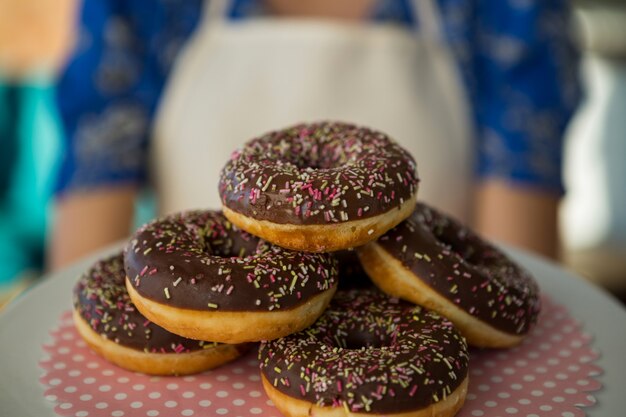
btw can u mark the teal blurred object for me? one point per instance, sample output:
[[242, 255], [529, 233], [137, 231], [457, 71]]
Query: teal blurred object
[[29, 153]]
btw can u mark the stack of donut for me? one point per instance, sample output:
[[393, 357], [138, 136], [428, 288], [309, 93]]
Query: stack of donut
[[301, 207]]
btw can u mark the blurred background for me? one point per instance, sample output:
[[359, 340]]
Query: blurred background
[[40, 38]]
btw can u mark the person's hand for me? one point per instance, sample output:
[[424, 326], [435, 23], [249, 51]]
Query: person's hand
[[522, 217], [35, 35]]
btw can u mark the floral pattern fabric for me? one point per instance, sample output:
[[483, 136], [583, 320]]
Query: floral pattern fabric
[[516, 58]]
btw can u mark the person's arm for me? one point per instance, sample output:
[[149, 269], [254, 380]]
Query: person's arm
[[35, 36], [523, 217], [86, 221], [526, 89], [106, 98]]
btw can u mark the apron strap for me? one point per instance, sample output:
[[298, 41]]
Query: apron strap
[[427, 15], [216, 10]]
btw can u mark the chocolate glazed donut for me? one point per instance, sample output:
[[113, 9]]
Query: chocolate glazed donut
[[319, 187], [197, 275], [112, 326], [432, 260], [368, 355]]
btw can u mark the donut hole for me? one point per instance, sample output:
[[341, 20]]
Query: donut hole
[[360, 341], [460, 246], [460, 241], [310, 164], [321, 150], [233, 245], [478, 255], [313, 162], [206, 233]]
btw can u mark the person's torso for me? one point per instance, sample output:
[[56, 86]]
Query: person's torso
[[238, 79]]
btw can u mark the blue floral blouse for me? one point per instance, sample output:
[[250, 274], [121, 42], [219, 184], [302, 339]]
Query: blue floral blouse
[[516, 56]]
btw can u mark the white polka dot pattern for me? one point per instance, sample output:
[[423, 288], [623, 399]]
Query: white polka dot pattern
[[549, 374]]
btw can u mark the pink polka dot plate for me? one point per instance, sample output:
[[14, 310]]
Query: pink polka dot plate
[[571, 365]]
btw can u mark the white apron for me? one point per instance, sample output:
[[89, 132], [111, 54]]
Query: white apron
[[237, 80]]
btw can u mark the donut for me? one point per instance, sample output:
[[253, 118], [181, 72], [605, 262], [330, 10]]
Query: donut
[[111, 325], [197, 275], [433, 260], [319, 187], [368, 355]]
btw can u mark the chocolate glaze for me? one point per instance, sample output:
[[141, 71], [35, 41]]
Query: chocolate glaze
[[371, 354], [101, 299], [198, 260], [319, 173], [465, 269]]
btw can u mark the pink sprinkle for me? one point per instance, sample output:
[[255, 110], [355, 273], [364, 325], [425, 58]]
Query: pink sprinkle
[[143, 271]]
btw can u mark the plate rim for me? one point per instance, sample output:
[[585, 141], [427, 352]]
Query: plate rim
[[21, 393]]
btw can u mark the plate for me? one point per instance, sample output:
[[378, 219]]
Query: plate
[[25, 326]]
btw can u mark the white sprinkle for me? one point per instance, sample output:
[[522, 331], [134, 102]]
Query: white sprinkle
[[267, 184]]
